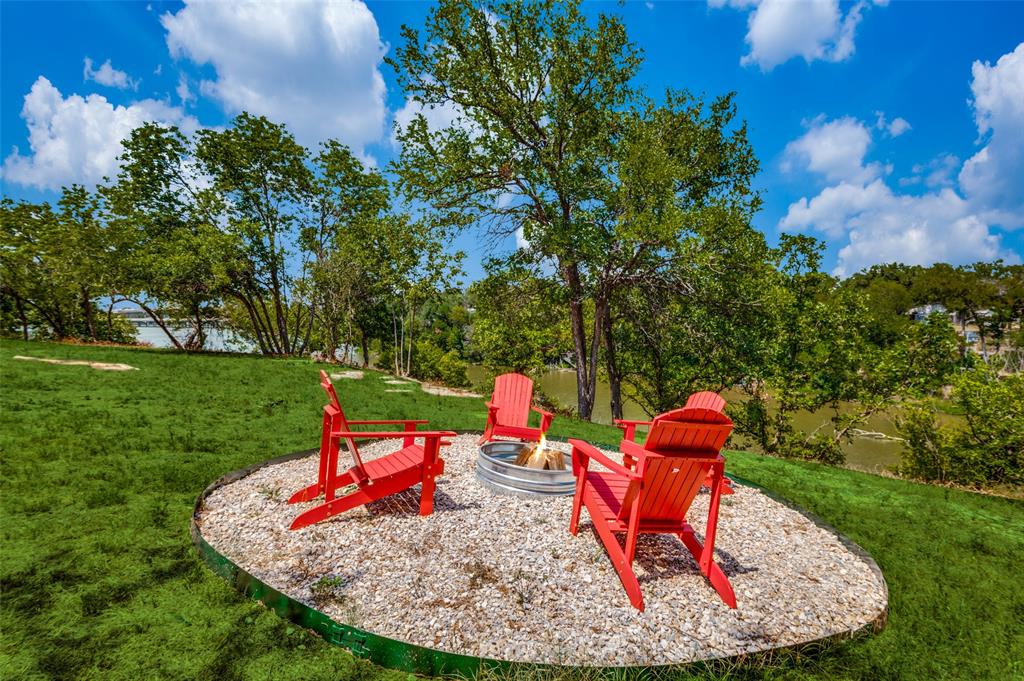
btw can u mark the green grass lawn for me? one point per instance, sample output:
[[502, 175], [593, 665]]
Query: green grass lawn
[[99, 579]]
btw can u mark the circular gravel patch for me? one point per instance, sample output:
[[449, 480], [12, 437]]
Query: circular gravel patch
[[500, 577]]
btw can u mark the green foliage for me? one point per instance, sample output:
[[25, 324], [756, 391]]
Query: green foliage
[[602, 183], [431, 363], [101, 580], [670, 344], [53, 265], [171, 258], [822, 356], [518, 324], [987, 450]]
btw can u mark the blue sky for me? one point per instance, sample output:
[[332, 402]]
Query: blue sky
[[892, 131]]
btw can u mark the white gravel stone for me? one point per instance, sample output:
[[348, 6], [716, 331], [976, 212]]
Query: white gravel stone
[[501, 577]]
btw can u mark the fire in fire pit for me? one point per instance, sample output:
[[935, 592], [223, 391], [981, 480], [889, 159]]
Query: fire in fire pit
[[524, 469], [541, 457]]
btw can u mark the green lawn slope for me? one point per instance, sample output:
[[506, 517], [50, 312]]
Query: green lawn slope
[[99, 471]]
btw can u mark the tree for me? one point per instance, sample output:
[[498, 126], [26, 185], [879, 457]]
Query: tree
[[264, 184], [821, 356], [345, 195], [171, 254], [53, 266], [986, 449], [518, 324], [553, 141], [703, 325]]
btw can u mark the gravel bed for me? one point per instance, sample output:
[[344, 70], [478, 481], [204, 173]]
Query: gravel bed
[[501, 577]]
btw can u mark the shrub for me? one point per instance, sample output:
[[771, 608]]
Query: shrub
[[452, 370], [430, 363], [986, 449]]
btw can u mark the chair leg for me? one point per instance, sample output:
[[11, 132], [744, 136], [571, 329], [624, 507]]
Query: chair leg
[[487, 432], [316, 489], [332, 508], [622, 567], [577, 503], [427, 494], [709, 568]]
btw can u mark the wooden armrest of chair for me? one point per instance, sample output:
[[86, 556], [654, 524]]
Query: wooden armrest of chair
[[588, 451], [374, 435], [628, 426], [546, 417], [407, 422]]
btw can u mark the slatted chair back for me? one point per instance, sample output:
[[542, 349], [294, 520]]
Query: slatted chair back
[[335, 422], [681, 447], [513, 394]]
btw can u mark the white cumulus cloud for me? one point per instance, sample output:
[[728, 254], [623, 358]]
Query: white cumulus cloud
[[897, 127], [77, 139], [183, 91], [951, 221], [993, 179], [780, 30], [311, 65], [107, 75], [882, 226], [438, 117], [834, 149]]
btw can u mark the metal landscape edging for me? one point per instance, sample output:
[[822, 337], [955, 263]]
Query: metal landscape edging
[[409, 657]]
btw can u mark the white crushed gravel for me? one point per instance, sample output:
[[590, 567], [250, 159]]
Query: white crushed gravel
[[501, 577]]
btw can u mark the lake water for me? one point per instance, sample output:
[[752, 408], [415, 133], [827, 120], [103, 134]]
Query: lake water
[[864, 453], [216, 339]]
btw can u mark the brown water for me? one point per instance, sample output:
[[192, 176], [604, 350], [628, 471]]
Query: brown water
[[873, 452]]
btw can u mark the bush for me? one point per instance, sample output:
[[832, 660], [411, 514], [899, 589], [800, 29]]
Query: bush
[[987, 449], [430, 363], [452, 370]]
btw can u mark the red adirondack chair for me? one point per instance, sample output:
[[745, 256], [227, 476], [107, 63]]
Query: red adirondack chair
[[699, 400], [508, 412], [375, 479], [654, 495]]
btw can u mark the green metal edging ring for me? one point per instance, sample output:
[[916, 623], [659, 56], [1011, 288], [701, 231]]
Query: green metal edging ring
[[409, 657]]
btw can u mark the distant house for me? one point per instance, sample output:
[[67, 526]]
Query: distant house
[[922, 312]]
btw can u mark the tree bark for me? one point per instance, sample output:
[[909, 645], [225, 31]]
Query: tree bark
[[611, 364], [254, 318], [20, 305], [584, 389], [365, 348], [87, 313]]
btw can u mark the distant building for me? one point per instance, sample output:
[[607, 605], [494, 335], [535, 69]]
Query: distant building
[[922, 312]]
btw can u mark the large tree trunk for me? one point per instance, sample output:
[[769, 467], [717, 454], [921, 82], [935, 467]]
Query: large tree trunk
[[272, 340], [611, 364], [365, 347], [256, 324], [20, 305], [585, 383], [87, 313]]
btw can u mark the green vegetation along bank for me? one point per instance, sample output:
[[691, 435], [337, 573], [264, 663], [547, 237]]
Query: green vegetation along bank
[[100, 581]]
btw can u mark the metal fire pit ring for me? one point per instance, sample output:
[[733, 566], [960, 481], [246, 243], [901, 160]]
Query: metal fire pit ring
[[496, 469]]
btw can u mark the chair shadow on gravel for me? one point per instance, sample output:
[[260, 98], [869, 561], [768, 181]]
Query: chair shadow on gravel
[[664, 556], [407, 502]]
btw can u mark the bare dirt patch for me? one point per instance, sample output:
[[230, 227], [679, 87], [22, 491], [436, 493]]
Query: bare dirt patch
[[102, 366]]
